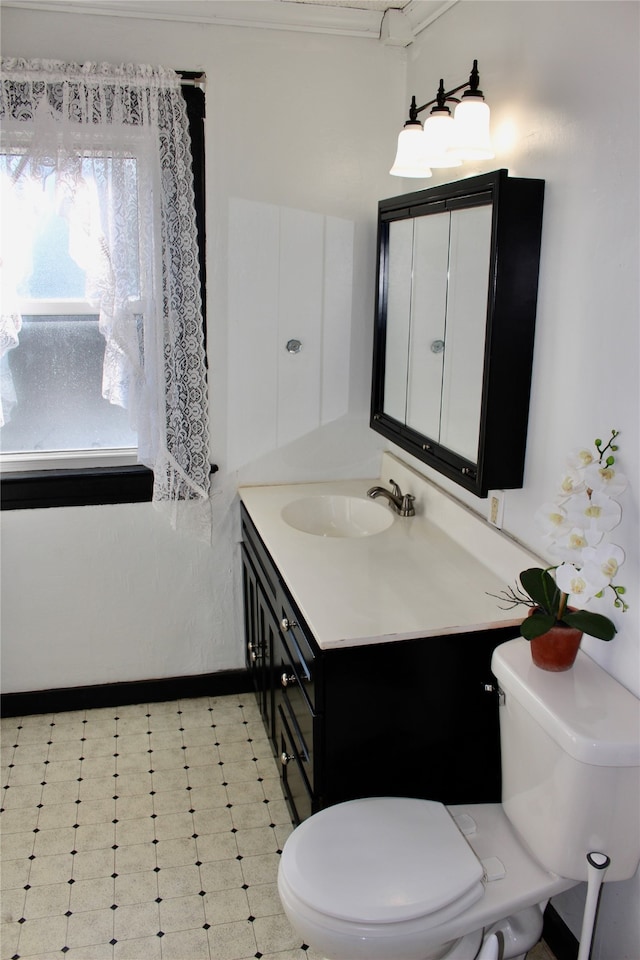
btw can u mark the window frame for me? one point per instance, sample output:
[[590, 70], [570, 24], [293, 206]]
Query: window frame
[[94, 485]]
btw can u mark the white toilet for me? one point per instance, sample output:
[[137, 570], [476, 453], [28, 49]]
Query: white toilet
[[395, 878]]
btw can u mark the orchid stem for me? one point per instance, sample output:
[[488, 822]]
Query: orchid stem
[[602, 450], [562, 605]]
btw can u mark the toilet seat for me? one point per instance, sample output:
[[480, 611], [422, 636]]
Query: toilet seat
[[413, 862]]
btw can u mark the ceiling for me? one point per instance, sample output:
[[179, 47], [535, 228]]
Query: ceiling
[[395, 22]]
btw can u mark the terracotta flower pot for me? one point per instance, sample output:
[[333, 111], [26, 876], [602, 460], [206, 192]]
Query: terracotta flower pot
[[556, 649]]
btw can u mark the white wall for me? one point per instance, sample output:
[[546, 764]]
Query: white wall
[[562, 82], [554, 117], [294, 121]]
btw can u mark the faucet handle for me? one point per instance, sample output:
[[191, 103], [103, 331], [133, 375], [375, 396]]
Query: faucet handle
[[395, 489], [407, 509]]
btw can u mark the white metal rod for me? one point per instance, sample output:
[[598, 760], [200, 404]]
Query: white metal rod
[[597, 867]]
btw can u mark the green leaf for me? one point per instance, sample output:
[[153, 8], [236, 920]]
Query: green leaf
[[542, 589], [593, 624], [536, 625]]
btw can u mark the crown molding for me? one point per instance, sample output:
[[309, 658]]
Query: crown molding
[[263, 14], [421, 14]]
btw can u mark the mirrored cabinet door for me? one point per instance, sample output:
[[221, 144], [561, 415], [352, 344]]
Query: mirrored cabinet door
[[465, 330], [457, 283], [399, 295], [425, 346]]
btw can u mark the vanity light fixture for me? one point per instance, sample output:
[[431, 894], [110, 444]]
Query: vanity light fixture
[[446, 139]]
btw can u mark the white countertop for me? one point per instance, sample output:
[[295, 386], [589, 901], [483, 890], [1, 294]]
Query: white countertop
[[421, 577]]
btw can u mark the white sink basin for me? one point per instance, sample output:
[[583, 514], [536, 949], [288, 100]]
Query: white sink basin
[[337, 516]]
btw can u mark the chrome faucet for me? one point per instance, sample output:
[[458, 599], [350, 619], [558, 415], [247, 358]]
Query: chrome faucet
[[401, 503]]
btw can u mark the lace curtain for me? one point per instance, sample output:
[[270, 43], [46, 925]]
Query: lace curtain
[[118, 141]]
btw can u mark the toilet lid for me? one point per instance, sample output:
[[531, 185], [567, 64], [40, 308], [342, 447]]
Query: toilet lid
[[380, 860]]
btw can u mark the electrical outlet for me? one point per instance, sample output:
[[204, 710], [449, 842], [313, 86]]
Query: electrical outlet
[[495, 512]]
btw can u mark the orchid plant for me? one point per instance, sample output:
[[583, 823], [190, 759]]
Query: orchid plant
[[575, 524]]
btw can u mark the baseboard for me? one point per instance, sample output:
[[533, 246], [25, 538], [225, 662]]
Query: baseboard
[[119, 694], [558, 937]]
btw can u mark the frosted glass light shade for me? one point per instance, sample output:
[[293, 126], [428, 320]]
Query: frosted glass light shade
[[409, 161], [472, 137], [438, 138]]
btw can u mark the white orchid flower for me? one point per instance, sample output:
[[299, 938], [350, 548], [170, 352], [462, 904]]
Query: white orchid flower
[[571, 482], [605, 479], [579, 459], [570, 546], [597, 513], [601, 563], [552, 518], [576, 584]]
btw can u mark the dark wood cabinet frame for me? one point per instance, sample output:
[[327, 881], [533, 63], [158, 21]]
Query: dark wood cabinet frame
[[510, 325]]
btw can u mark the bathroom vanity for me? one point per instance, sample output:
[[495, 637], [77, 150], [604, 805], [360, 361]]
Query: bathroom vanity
[[370, 651]]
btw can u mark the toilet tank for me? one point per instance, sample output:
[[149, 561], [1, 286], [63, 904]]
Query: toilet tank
[[570, 745]]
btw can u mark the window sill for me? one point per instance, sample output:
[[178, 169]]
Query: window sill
[[35, 489], [75, 488]]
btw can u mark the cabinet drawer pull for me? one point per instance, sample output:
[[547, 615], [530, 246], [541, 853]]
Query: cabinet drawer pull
[[286, 757], [288, 679], [286, 624]]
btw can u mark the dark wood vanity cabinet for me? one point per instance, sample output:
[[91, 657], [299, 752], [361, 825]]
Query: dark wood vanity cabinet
[[405, 718]]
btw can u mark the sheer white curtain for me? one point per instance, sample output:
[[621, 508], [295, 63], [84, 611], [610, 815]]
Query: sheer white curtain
[[118, 141]]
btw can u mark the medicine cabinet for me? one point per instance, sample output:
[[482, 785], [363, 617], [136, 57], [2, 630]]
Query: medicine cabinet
[[454, 327]]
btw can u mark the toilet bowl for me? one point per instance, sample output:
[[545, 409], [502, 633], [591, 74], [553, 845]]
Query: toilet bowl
[[393, 878], [397, 878]]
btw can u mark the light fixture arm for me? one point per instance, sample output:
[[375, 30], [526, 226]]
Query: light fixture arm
[[472, 83]]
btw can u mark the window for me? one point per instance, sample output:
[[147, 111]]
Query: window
[[53, 398], [64, 442]]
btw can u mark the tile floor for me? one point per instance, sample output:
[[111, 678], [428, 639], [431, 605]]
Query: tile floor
[[541, 952], [146, 832]]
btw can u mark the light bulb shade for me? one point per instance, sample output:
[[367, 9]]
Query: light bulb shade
[[409, 161], [472, 138], [439, 133]]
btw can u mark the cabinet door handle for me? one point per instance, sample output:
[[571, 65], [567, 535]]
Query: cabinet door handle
[[288, 679], [286, 624], [286, 757], [494, 688]]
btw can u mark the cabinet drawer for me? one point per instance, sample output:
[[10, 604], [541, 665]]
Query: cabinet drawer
[[295, 767], [294, 674], [296, 654]]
